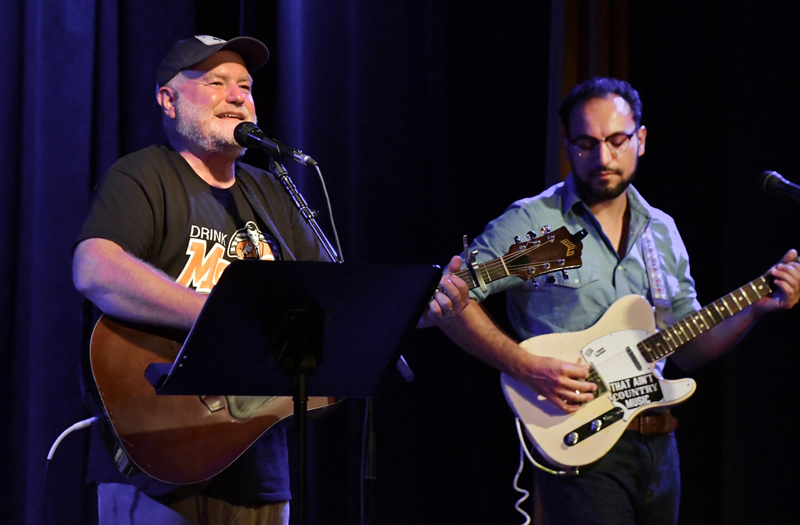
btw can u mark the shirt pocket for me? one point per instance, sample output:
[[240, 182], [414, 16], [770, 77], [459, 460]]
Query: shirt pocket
[[565, 305]]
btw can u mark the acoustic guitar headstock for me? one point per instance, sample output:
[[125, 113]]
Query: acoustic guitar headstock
[[553, 251]]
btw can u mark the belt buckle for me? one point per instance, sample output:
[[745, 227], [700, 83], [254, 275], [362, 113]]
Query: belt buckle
[[642, 430], [660, 417]]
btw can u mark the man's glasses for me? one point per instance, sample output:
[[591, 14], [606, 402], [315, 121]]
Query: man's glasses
[[617, 143]]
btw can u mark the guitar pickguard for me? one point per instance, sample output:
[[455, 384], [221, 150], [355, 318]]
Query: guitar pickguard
[[630, 380]]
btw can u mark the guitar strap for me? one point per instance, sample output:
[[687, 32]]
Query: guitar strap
[[658, 285], [243, 407], [287, 254]]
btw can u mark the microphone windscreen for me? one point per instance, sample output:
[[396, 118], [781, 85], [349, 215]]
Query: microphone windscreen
[[241, 134]]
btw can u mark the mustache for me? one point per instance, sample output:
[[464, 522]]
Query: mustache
[[601, 169]]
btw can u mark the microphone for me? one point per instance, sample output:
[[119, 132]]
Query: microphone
[[248, 135], [775, 183]]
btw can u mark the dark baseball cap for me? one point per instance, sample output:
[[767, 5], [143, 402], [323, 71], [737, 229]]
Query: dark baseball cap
[[187, 53]]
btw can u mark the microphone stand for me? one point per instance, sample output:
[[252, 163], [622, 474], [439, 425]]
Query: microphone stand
[[301, 397], [301, 372]]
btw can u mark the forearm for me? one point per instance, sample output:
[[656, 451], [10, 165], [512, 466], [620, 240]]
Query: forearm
[[128, 288], [710, 345], [474, 332], [560, 382]]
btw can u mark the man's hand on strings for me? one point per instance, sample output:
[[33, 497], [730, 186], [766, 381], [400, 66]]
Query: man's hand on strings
[[450, 299], [786, 287]]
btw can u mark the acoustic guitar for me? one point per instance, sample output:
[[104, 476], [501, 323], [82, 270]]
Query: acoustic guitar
[[188, 439]]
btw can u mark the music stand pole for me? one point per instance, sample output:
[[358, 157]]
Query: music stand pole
[[300, 378]]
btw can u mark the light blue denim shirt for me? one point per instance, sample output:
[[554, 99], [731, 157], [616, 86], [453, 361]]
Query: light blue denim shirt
[[577, 303]]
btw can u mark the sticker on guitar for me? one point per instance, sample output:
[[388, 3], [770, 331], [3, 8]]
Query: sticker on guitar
[[636, 391]]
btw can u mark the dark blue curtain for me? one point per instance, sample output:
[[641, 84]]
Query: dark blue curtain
[[428, 119]]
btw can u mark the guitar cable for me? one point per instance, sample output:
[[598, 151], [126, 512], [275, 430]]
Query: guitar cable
[[77, 426], [523, 451], [524, 447], [525, 493]]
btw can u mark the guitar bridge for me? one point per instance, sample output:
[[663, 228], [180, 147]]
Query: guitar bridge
[[593, 427]]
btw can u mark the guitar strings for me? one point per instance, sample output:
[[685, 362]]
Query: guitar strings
[[509, 260], [506, 262]]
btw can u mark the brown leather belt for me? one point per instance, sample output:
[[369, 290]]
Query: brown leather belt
[[653, 423]]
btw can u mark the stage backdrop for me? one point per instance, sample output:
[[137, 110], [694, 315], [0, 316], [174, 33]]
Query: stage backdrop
[[427, 119]]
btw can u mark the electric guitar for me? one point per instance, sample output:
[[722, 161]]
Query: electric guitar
[[621, 349], [188, 439]]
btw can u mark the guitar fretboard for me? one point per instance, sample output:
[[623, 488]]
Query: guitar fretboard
[[665, 342]]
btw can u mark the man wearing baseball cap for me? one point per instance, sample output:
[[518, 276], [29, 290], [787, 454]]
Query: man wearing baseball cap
[[164, 224]]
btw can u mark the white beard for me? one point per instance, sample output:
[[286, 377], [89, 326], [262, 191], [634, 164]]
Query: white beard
[[197, 124]]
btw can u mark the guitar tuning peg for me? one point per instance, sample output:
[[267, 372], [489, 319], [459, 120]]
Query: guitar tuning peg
[[535, 283], [531, 235], [565, 275], [545, 230], [517, 239], [550, 279]]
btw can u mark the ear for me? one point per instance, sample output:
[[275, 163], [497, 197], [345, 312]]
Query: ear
[[641, 135], [567, 149], [166, 99]]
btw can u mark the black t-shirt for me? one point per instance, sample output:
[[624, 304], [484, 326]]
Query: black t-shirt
[[153, 205]]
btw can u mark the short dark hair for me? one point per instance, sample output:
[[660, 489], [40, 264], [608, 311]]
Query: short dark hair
[[599, 87]]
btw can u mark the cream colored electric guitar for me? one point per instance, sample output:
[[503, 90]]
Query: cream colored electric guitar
[[622, 349]]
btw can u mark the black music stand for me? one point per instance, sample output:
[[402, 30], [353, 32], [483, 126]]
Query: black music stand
[[301, 329]]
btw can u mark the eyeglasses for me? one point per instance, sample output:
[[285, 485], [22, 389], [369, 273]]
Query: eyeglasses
[[617, 143]]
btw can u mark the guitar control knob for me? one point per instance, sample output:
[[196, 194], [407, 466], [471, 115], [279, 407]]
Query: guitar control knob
[[571, 438], [596, 425]]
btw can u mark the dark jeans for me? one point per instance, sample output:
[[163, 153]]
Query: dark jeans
[[125, 505], [637, 482]]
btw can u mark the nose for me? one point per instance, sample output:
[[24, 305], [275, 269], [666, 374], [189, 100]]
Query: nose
[[235, 95], [606, 154]]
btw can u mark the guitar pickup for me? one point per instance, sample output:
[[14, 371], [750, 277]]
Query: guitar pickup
[[636, 362], [593, 427]]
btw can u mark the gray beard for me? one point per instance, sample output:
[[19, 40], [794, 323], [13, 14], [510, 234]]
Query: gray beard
[[190, 121]]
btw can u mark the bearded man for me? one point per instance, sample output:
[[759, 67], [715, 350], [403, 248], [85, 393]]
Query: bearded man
[[638, 480]]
